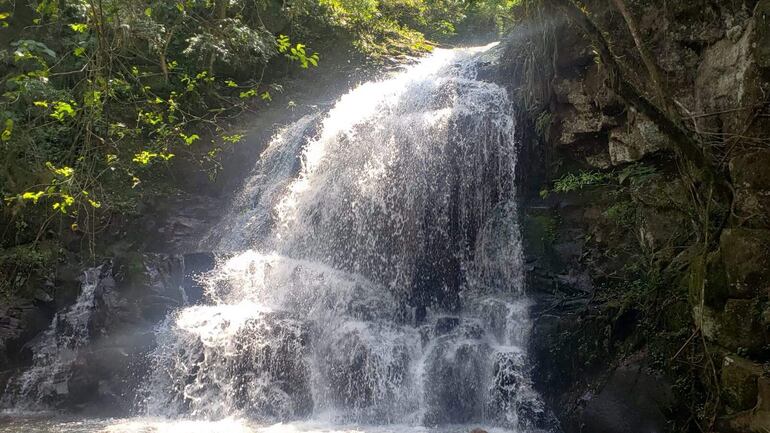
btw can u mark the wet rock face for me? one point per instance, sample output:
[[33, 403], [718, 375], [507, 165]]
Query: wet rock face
[[18, 324], [133, 293], [632, 401], [96, 348], [455, 396], [138, 288], [715, 61]]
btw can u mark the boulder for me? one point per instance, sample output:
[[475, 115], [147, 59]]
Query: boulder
[[740, 382], [755, 420], [455, 382], [632, 401], [737, 327], [741, 326]]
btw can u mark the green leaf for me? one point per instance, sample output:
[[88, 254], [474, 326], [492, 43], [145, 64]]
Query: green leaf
[[234, 138], [283, 43], [34, 196], [92, 98], [8, 131], [248, 94], [63, 171], [144, 157], [79, 27], [189, 139], [148, 12], [62, 110]]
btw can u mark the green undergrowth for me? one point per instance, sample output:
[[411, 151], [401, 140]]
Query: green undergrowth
[[638, 245], [107, 106]]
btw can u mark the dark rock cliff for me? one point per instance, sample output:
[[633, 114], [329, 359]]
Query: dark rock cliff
[[651, 281]]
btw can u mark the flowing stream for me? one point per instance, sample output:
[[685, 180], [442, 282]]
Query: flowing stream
[[370, 277]]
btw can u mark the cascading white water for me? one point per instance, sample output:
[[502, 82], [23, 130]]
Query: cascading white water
[[54, 353], [380, 284]]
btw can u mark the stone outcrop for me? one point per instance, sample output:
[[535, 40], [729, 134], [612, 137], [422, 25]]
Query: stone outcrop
[[133, 292], [617, 263]]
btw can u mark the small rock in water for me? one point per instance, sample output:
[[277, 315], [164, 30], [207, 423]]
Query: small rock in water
[[478, 430]]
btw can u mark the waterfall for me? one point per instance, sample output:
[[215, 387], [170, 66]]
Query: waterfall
[[55, 351], [372, 269]]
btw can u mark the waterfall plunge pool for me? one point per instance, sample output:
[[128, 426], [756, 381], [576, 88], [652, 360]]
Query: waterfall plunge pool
[[44, 424]]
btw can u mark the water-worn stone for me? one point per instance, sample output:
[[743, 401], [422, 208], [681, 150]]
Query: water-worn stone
[[455, 383], [132, 294], [445, 325], [632, 401], [739, 382], [196, 264]]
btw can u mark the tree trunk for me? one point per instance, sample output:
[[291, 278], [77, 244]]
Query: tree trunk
[[653, 70]]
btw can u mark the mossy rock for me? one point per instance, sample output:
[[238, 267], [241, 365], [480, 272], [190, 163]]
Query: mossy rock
[[751, 170], [746, 256], [750, 173], [25, 268], [740, 326], [710, 277], [131, 270], [739, 382], [539, 230]]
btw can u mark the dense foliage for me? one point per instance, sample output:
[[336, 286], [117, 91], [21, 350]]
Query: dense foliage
[[101, 97]]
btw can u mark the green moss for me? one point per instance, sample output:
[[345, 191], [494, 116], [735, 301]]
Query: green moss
[[708, 280], [540, 232], [23, 264], [746, 255], [131, 268], [621, 213]]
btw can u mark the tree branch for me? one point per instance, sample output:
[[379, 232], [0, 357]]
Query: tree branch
[[685, 142], [653, 70]]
